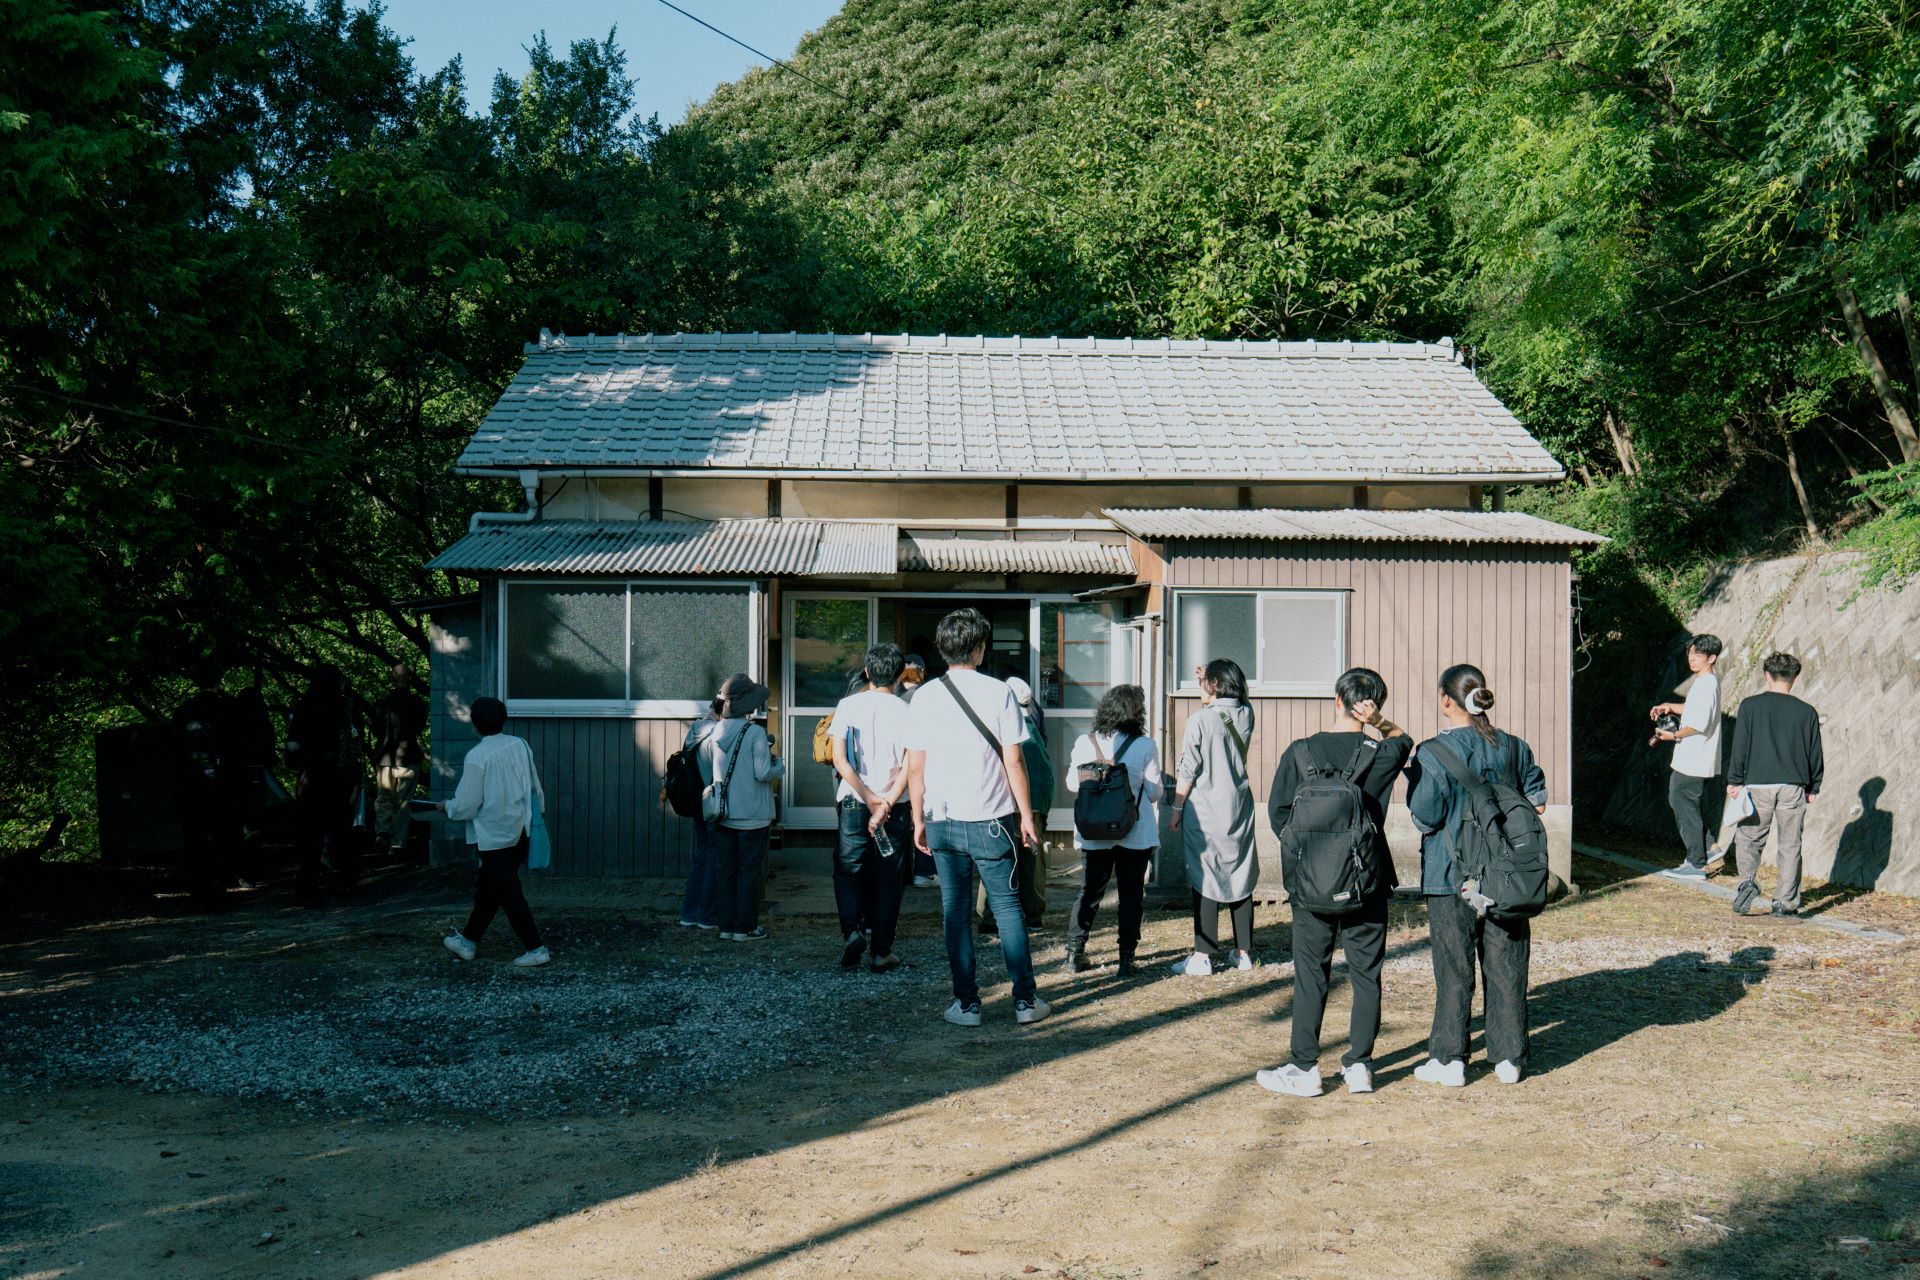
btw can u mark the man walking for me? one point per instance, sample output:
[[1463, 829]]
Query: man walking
[[495, 797], [1696, 753], [869, 735], [399, 722], [1777, 761], [968, 784]]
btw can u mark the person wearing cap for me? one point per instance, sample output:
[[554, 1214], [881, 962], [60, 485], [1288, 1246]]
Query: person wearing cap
[[1029, 865], [495, 797], [739, 757]]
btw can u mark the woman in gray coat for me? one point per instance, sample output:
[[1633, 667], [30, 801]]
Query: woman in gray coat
[[1213, 810]]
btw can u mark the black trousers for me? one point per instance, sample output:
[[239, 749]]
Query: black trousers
[[497, 888], [324, 808], [1206, 924], [1097, 867], [1683, 797], [867, 884], [1502, 948], [739, 862], [1363, 935]]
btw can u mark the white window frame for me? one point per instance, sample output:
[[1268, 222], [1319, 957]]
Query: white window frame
[[626, 708], [1186, 687]]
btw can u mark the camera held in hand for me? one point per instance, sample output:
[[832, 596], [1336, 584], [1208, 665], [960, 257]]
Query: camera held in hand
[[1665, 722]]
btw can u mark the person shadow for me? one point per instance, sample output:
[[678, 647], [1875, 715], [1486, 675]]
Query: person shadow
[[1861, 857], [1571, 1018]]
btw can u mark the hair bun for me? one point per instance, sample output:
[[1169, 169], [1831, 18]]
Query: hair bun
[[1479, 700]]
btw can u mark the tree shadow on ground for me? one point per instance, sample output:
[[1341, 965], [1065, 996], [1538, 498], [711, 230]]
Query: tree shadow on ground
[[1839, 1225]]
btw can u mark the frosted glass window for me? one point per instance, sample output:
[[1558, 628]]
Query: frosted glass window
[[688, 640], [1300, 640], [1290, 643], [1217, 625], [566, 642]]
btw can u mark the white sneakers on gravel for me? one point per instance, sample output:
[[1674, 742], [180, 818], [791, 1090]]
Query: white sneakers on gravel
[[1290, 1079], [962, 1015], [1507, 1072], [1359, 1077], [1242, 961], [1028, 1012], [1451, 1074], [1194, 966], [529, 959], [458, 944]]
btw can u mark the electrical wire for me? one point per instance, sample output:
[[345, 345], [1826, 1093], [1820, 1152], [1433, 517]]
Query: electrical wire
[[289, 446]]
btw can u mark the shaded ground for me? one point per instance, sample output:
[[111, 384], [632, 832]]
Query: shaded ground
[[331, 1095]]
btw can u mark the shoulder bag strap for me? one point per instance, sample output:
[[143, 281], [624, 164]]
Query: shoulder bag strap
[[1120, 750], [954, 691], [733, 757], [1093, 740], [1234, 731], [1450, 760], [1354, 769]]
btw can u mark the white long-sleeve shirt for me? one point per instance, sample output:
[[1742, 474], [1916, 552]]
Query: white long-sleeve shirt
[[495, 794], [1143, 771]]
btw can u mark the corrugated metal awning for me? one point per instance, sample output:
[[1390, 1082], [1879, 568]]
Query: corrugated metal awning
[[753, 548], [920, 553], [1351, 526]]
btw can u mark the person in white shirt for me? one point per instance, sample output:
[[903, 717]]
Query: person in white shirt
[[495, 797], [1696, 755], [968, 782], [1119, 737], [869, 733]]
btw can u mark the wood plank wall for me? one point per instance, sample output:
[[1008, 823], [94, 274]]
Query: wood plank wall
[[602, 777], [1415, 610]]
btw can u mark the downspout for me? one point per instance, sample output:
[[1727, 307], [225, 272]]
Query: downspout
[[530, 500]]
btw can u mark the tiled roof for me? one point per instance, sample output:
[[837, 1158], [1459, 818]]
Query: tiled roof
[[810, 548], [1005, 408], [920, 553], [1351, 526]]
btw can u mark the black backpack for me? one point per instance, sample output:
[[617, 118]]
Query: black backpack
[[1329, 851], [683, 787], [1502, 847], [1106, 806]]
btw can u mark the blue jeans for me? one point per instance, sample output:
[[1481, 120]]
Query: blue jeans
[[959, 849], [699, 905]]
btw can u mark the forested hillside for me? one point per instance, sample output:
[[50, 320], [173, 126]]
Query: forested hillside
[[263, 275]]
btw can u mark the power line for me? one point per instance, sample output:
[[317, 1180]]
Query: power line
[[328, 455], [841, 94]]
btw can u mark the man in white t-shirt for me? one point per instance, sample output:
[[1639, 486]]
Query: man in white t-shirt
[[1696, 753], [869, 734], [968, 782]]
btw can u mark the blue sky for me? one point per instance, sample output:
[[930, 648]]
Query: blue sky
[[674, 62]]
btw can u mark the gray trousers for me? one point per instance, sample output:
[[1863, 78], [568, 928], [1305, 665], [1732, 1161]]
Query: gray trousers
[[1781, 805], [1683, 797]]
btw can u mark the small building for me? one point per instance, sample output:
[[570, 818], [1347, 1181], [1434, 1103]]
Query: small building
[[699, 504]]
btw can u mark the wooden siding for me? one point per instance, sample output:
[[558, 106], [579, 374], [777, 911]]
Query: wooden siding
[[1414, 611], [602, 777]]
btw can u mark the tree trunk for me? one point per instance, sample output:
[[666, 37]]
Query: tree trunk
[[1799, 489], [1896, 412], [1852, 471], [1622, 446], [1586, 476], [1904, 306]]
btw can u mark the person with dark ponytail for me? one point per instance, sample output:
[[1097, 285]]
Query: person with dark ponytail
[[1459, 933], [1213, 812]]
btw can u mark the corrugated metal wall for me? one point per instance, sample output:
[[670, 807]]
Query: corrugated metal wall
[[602, 776], [1415, 610]]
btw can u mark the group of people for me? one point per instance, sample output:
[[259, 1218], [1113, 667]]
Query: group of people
[[1773, 772]]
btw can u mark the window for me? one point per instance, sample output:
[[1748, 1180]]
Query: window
[[611, 648], [1290, 643]]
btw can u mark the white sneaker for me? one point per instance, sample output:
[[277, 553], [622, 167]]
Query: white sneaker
[[962, 1015], [1027, 1012], [1241, 961], [1451, 1074], [1194, 966], [1290, 1079], [460, 946], [925, 882], [1359, 1078], [1507, 1072], [537, 956]]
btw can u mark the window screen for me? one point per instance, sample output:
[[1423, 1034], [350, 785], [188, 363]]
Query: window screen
[[688, 640], [566, 642], [1217, 625], [1300, 640]]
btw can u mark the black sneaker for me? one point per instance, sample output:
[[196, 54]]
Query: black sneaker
[[1077, 961], [1781, 911], [757, 934], [1743, 897], [1126, 969], [855, 948]]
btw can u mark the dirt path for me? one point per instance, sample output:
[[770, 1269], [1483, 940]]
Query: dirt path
[[271, 1094]]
